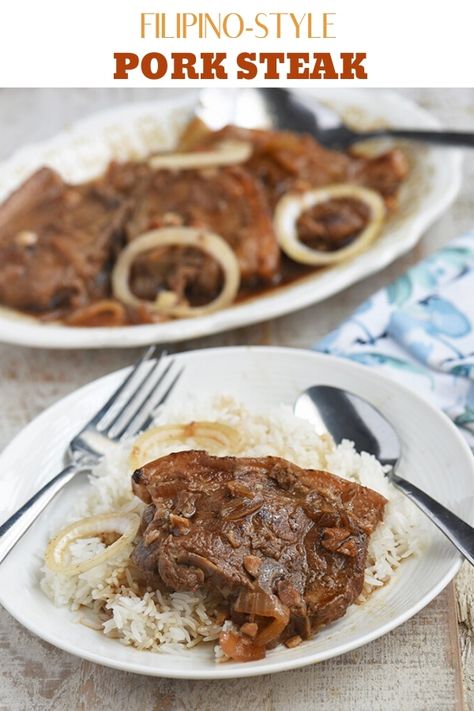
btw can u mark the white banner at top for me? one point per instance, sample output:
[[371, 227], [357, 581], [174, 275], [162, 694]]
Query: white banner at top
[[103, 43]]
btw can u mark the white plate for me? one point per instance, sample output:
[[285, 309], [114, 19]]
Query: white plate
[[435, 457], [133, 131]]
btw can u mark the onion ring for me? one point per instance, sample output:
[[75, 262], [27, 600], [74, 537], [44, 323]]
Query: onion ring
[[207, 434], [166, 302], [226, 153], [127, 524], [291, 206]]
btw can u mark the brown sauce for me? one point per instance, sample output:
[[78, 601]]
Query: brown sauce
[[290, 273]]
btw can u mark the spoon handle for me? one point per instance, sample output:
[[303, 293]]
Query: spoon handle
[[462, 139], [460, 533]]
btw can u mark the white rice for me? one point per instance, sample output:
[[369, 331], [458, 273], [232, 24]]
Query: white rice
[[107, 599]]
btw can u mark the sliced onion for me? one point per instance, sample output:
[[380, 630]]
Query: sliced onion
[[126, 524], [239, 648], [264, 605], [167, 302], [226, 153], [209, 435], [291, 206]]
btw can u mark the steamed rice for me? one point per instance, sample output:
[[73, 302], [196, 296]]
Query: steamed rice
[[106, 598]]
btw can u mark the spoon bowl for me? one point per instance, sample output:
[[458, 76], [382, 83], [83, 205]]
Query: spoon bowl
[[348, 416], [298, 111]]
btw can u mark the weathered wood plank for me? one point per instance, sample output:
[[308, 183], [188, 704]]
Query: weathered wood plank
[[414, 667]]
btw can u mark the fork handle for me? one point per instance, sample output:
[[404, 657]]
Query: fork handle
[[14, 527], [460, 533]]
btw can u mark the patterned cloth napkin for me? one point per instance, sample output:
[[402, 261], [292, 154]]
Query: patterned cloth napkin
[[420, 331]]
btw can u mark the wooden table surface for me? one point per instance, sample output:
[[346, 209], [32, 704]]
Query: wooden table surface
[[424, 664]]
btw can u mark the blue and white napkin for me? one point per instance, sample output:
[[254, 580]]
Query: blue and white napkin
[[420, 331]]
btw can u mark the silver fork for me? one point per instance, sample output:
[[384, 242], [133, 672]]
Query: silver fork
[[128, 411]]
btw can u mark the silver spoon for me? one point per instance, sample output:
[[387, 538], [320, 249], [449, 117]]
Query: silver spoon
[[348, 416], [303, 113]]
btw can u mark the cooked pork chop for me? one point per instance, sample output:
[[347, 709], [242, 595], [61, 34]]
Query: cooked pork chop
[[288, 162], [333, 224], [285, 162], [59, 242], [262, 533], [56, 242], [227, 201]]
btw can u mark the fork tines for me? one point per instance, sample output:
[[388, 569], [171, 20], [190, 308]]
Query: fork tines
[[132, 406]]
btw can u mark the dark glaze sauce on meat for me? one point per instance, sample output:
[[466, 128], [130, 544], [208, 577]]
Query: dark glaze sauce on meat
[[59, 242], [282, 548]]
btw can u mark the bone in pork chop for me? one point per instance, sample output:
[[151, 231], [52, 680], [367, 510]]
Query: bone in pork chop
[[56, 242], [275, 541]]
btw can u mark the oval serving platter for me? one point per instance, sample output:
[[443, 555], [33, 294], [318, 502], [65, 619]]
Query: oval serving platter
[[134, 131]]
